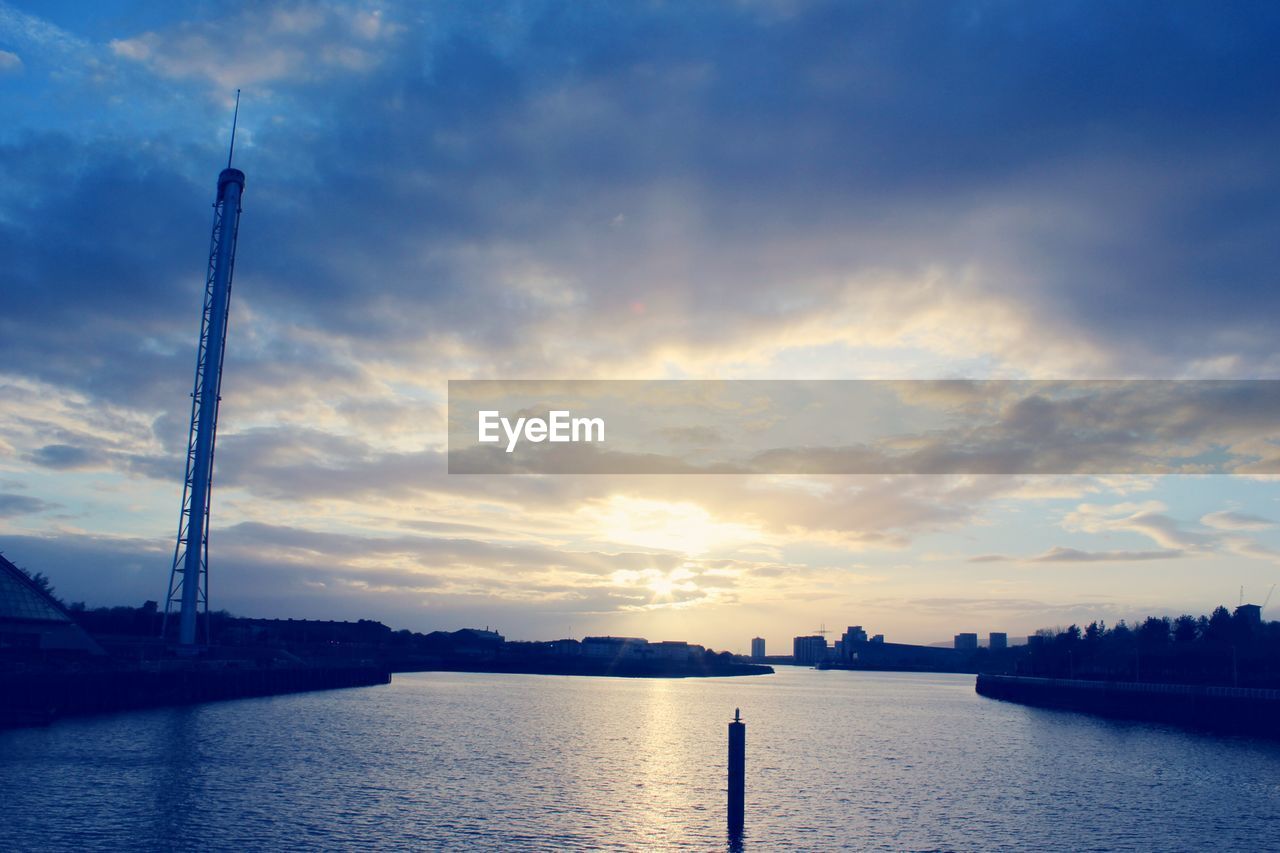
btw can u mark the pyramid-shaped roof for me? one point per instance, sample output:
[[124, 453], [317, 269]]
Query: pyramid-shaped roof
[[21, 598]]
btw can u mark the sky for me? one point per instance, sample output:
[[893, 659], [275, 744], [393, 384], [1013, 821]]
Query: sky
[[747, 190]]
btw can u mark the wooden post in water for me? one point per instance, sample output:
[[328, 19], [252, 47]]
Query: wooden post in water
[[737, 772]]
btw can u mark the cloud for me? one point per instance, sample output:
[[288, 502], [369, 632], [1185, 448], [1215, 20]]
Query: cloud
[[10, 63], [259, 46], [11, 505], [806, 217], [412, 581], [752, 228], [21, 28], [96, 293], [1073, 555], [1146, 519], [1232, 520], [1060, 554], [63, 457], [599, 190]]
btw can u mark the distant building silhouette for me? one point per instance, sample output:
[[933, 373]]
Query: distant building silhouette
[[966, 642], [478, 635], [855, 649], [853, 635], [1249, 614], [809, 650], [306, 631], [639, 649], [565, 647], [677, 650], [998, 640], [474, 642], [757, 648], [615, 647]]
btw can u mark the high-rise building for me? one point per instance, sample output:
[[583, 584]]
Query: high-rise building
[[998, 640], [810, 650], [854, 634], [757, 648], [850, 640], [966, 642]]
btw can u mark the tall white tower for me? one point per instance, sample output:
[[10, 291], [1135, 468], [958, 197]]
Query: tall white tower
[[189, 577]]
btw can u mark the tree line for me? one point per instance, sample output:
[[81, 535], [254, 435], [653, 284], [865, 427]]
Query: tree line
[[1222, 648]]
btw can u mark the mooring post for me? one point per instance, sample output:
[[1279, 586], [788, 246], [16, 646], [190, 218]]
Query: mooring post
[[737, 771]]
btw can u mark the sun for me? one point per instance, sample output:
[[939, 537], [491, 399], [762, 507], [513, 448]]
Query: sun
[[666, 525], [663, 586]]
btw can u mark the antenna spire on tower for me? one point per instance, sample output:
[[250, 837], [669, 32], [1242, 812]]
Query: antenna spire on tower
[[234, 116]]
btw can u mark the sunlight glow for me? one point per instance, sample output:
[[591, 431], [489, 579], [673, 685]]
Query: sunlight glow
[[665, 525]]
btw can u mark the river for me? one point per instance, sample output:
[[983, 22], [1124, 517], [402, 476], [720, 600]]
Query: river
[[461, 761]]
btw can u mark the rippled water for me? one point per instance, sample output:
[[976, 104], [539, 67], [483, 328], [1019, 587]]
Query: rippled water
[[464, 761]]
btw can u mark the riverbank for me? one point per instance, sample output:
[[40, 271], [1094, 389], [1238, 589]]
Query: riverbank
[[1234, 710], [39, 696], [591, 666]]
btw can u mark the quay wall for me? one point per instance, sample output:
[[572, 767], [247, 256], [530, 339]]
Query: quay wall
[[1226, 709], [41, 696]]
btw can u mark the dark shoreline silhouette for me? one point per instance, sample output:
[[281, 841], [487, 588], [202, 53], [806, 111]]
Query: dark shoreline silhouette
[[38, 696], [64, 661], [614, 669], [1228, 710]]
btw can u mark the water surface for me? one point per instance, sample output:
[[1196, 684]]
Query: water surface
[[835, 760]]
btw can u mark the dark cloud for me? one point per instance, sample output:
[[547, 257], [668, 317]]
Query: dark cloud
[[102, 570], [11, 505], [103, 247], [545, 189], [413, 197], [63, 457]]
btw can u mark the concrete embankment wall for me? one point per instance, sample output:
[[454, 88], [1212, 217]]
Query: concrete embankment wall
[[1227, 709], [36, 697]]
